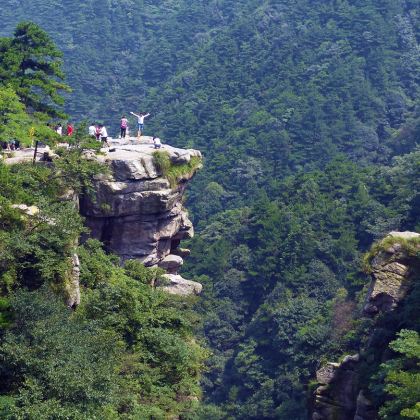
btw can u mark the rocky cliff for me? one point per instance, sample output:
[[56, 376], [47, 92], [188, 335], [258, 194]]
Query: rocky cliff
[[136, 210], [394, 267]]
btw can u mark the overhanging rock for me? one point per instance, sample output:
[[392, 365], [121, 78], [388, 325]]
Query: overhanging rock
[[136, 212]]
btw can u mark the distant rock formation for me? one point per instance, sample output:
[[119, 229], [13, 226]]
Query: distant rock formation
[[138, 214], [393, 268]]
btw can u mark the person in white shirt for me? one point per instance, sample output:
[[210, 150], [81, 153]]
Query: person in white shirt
[[157, 143], [59, 129], [104, 135], [140, 121], [92, 131]]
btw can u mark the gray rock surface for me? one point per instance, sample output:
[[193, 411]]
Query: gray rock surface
[[390, 276], [405, 235], [182, 252], [364, 408], [171, 263], [336, 397], [177, 285], [135, 211], [73, 287]]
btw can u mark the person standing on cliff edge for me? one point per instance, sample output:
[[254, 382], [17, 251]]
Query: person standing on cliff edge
[[140, 121], [104, 135], [123, 126]]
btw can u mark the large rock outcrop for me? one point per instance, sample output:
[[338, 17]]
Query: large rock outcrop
[[137, 212], [394, 266]]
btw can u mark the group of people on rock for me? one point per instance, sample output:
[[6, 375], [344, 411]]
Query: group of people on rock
[[96, 131], [68, 132], [99, 131]]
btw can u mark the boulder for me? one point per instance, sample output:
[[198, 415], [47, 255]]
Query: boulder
[[28, 210], [177, 285], [171, 263]]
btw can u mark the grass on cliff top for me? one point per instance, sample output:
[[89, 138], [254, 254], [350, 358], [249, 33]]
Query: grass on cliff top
[[173, 172], [410, 246]]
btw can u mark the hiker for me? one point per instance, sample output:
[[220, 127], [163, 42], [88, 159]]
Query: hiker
[[92, 131], [157, 143], [69, 129], [123, 126], [104, 135], [140, 121], [59, 129], [98, 132]]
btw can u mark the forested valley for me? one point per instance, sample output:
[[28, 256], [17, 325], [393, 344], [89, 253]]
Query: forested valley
[[308, 117]]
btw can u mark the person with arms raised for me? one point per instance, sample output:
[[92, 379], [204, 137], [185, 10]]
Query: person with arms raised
[[140, 121]]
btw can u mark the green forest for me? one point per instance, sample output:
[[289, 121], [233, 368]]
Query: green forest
[[307, 114]]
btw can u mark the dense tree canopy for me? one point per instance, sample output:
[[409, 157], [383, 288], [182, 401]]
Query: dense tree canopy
[[30, 63]]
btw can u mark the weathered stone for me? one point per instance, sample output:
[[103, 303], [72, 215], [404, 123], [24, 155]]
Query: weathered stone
[[390, 276], [134, 210], [73, 285], [171, 263], [364, 408], [180, 286], [325, 374], [348, 360], [28, 210], [136, 213], [404, 235], [339, 395], [182, 252]]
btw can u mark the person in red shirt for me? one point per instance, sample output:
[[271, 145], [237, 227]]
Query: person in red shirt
[[69, 129]]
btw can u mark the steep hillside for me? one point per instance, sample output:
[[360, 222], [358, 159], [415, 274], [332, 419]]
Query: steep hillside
[[83, 335]]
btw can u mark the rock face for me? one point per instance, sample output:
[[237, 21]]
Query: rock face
[[391, 271], [73, 288], [179, 286], [135, 211], [335, 398], [340, 394]]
